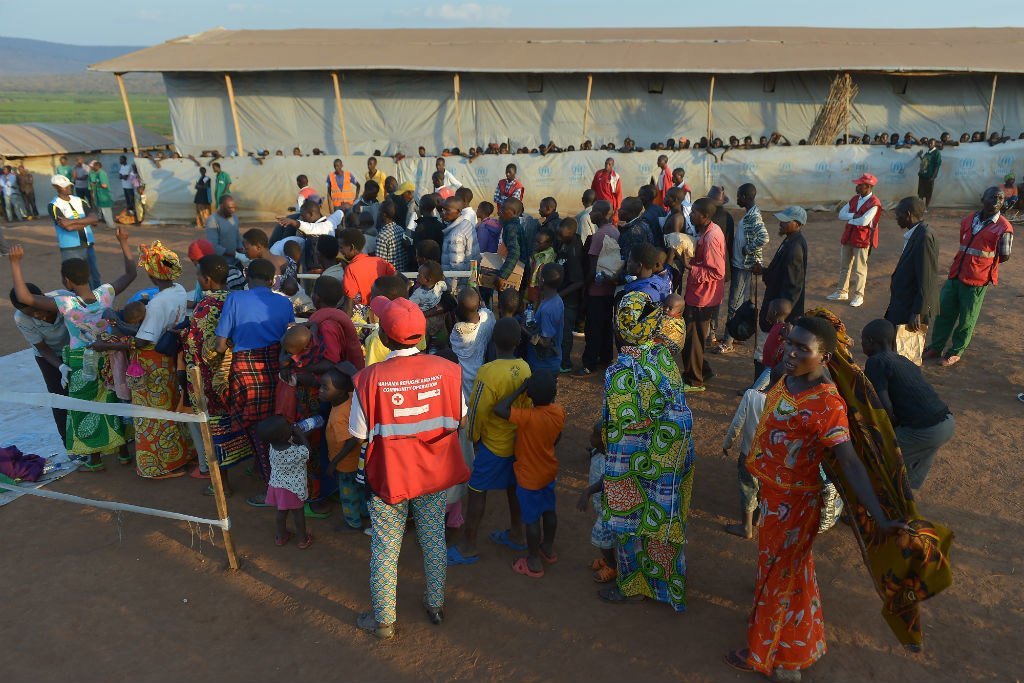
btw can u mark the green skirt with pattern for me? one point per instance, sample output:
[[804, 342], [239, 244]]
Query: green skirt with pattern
[[90, 433]]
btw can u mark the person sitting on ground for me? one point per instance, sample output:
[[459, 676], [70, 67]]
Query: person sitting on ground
[[494, 443], [287, 488], [538, 431], [922, 422], [362, 270]]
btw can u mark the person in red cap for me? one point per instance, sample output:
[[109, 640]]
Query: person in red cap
[[860, 236], [406, 410]]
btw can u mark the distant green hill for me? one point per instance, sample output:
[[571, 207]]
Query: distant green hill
[[150, 111]]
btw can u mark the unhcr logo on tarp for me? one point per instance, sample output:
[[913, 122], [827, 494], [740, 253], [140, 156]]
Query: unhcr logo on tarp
[[749, 169], [823, 168], [785, 167], [481, 172], [897, 169], [577, 172], [964, 169], [646, 169], [1006, 161]]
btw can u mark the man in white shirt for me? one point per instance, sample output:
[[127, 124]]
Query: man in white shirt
[[310, 225], [449, 180], [585, 225], [124, 173], [860, 236]]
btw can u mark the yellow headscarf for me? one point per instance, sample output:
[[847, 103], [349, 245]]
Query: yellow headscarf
[[159, 262], [638, 319]]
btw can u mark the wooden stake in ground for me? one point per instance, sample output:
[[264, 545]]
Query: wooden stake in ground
[[834, 116], [211, 460]]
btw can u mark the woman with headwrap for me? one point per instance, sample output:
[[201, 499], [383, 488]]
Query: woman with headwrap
[[804, 420], [649, 470], [161, 448]]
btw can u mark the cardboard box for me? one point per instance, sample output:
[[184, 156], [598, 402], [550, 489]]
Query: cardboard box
[[490, 266]]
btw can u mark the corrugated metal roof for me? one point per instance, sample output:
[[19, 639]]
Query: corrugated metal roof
[[648, 50], [44, 139]]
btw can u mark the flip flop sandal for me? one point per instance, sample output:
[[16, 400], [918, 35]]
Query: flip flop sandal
[[738, 660], [598, 564], [256, 502], [306, 542], [550, 559], [170, 475], [521, 566], [196, 473], [605, 575], [456, 557], [501, 538], [283, 540], [308, 513], [87, 466]]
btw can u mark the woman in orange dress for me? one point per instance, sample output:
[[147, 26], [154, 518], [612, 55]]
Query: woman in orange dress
[[804, 416]]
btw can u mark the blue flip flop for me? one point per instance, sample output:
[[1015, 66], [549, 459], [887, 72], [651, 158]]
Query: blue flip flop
[[501, 538], [455, 557]]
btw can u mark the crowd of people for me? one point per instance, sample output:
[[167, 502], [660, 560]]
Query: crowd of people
[[348, 353]]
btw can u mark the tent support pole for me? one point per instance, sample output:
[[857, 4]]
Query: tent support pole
[[341, 112], [234, 114], [711, 99], [991, 102], [458, 112], [586, 110], [128, 113]]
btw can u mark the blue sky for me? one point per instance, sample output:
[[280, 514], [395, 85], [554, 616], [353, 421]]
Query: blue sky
[[143, 22]]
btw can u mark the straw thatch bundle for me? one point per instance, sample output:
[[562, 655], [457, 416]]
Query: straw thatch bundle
[[833, 118]]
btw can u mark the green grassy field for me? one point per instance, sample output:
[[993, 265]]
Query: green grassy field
[[148, 110]]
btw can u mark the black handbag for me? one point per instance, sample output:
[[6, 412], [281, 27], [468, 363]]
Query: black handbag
[[169, 342], [741, 324]]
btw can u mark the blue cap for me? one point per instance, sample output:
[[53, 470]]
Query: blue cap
[[792, 213]]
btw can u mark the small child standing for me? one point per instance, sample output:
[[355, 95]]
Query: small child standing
[[426, 294], [336, 388], [538, 430], [601, 535], [287, 488], [778, 311], [471, 336], [544, 351], [543, 253], [744, 425], [488, 230]]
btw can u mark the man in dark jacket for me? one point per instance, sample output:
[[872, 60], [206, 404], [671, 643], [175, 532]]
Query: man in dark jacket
[[914, 290], [784, 277]]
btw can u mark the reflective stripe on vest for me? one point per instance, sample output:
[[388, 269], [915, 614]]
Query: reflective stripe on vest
[[346, 193], [411, 428], [970, 251]]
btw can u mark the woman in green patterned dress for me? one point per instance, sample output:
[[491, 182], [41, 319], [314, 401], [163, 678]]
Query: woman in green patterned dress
[[649, 469]]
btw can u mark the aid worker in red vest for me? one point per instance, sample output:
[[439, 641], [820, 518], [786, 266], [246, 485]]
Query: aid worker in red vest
[[860, 236], [986, 238], [407, 410], [342, 188]]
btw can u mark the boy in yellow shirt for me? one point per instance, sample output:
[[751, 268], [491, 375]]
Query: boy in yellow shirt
[[495, 439]]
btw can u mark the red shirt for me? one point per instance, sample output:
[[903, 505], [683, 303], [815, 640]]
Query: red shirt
[[360, 275], [773, 345], [607, 185], [705, 285], [341, 341]]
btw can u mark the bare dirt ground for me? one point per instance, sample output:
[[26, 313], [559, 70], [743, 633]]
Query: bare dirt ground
[[80, 602]]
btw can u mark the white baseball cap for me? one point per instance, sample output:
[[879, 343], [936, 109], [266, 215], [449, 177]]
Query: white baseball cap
[[61, 181]]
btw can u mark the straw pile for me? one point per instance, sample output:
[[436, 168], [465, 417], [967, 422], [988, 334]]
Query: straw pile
[[834, 117]]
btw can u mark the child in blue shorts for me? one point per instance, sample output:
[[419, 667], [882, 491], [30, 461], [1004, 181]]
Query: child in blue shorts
[[538, 429]]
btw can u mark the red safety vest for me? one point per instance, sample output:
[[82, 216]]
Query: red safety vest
[[413, 406], [863, 235], [346, 193], [976, 263]]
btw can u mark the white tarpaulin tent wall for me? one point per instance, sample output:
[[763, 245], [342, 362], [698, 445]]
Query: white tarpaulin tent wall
[[808, 176], [399, 111]]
